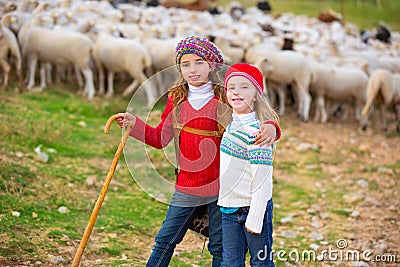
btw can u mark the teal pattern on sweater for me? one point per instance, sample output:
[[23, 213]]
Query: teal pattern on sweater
[[239, 143]]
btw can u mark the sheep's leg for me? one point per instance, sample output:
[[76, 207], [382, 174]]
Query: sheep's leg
[[321, 110], [69, 71], [131, 88], [150, 93], [78, 76], [336, 109], [20, 79], [324, 114], [6, 68], [43, 67], [304, 102], [345, 107], [357, 111], [282, 98], [27, 72], [317, 110], [397, 113], [306, 105], [157, 80], [298, 99], [274, 89], [89, 85], [60, 74], [101, 79], [383, 117], [110, 84], [49, 77], [137, 79], [32, 70], [149, 90], [159, 83], [271, 92]]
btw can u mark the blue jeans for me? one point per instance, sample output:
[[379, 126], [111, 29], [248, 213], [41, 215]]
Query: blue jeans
[[175, 227], [236, 241]]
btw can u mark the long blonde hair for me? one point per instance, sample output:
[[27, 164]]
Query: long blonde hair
[[263, 109]]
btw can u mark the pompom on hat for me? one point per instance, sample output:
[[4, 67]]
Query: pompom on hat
[[248, 71], [200, 46]]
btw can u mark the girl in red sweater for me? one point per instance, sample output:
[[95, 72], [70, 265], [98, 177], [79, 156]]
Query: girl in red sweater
[[192, 112]]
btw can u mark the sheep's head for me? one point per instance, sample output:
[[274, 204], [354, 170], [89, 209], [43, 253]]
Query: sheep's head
[[9, 7], [12, 22], [265, 66]]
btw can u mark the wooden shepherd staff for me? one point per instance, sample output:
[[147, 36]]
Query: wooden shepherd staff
[[92, 220]]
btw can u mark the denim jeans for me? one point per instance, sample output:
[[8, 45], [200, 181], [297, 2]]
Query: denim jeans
[[175, 227], [236, 240]]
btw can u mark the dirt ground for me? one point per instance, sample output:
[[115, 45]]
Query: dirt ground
[[372, 186]]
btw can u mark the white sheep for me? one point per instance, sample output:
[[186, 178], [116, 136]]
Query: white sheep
[[392, 64], [121, 55], [162, 53], [289, 67], [235, 54], [257, 51], [384, 87], [59, 48], [337, 83]]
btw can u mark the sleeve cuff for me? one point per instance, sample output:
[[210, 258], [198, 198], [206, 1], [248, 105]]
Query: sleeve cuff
[[278, 129]]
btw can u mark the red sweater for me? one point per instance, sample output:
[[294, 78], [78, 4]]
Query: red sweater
[[199, 155]]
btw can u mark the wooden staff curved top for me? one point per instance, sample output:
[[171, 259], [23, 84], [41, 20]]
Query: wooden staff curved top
[[93, 217]]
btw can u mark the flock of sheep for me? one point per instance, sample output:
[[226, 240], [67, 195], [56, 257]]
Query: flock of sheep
[[329, 61]]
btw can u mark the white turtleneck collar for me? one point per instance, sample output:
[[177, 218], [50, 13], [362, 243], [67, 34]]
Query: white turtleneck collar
[[244, 117], [200, 95]]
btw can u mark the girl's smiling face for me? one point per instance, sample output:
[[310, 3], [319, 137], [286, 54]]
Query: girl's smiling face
[[194, 69], [241, 94]]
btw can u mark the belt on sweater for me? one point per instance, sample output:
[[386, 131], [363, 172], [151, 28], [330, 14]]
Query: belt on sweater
[[198, 131]]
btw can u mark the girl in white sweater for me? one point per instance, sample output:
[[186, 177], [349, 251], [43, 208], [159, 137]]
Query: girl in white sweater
[[245, 194]]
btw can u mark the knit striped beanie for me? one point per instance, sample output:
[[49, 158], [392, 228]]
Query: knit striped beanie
[[200, 46], [248, 71]]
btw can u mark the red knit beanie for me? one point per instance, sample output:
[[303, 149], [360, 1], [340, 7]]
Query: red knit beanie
[[248, 71]]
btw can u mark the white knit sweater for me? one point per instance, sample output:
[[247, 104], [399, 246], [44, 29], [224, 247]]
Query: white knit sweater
[[245, 170]]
